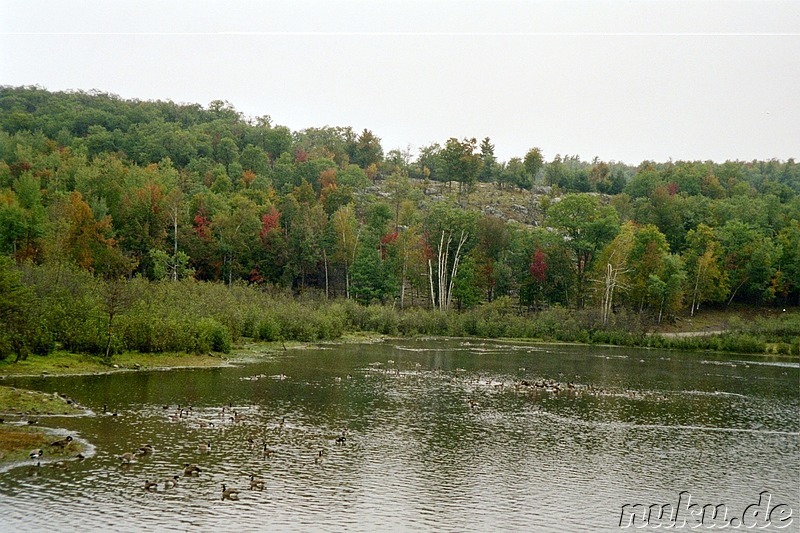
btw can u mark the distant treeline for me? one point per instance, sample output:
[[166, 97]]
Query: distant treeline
[[159, 191]]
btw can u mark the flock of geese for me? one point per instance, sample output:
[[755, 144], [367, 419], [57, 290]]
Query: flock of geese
[[59, 446], [230, 416], [226, 416]]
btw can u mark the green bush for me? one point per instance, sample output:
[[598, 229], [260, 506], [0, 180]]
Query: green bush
[[268, 329], [211, 335]]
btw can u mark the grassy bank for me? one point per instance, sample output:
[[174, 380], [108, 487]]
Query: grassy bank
[[27, 403], [64, 363], [17, 441]]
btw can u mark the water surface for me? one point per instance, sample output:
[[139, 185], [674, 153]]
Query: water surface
[[444, 435]]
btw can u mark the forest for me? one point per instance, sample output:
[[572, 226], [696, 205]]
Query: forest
[[157, 226]]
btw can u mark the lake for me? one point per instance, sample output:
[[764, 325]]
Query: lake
[[439, 435]]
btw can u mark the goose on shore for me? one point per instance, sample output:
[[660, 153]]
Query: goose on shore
[[63, 443], [35, 454]]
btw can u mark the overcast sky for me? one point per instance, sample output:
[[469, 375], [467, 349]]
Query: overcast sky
[[624, 81]]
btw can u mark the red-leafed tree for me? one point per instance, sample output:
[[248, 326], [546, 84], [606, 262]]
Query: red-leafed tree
[[270, 222], [202, 225], [538, 267]]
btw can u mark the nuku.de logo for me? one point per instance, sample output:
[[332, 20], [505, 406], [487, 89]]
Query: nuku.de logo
[[686, 514]]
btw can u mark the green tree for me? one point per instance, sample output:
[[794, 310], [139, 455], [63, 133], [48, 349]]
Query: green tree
[[789, 264], [707, 279], [16, 317], [346, 231], [646, 258], [489, 168], [372, 276], [460, 162], [586, 226], [236, 231], [366, 150], [750, 259], [534, 161]]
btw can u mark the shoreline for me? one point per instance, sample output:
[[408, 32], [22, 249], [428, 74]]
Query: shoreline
[[68, 364]]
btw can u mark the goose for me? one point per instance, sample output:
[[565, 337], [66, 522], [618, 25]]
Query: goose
[[127, 458], [151, 486], [256, 483], [35, 454], [146, 449], [63, 443], [266, 453], [341, 439], [191, 470], [171, 482], [204, 447], [320, 457], [80, 457], [229, 494]]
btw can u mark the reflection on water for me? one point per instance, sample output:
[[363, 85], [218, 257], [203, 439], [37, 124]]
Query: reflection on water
[[418, 435]]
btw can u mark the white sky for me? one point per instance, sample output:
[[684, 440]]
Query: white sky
[[625, 81]]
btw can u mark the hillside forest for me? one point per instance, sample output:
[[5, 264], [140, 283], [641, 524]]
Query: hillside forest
[[157, 226]]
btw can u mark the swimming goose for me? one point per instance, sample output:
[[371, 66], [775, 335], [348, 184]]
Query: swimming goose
[[151, 486], [204, 447], [229, 494], [191, 470], [171, 482], [266, 453], [127, 458], [146, 449], [256, 483], [320, 457]]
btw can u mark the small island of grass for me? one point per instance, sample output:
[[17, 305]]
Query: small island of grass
[[17, 441]]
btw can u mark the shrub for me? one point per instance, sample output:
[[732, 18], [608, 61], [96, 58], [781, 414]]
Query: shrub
[[268, 329], [211, 335]]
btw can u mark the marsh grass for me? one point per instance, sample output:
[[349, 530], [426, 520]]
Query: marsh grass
[[21, 401], [16, 443]]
